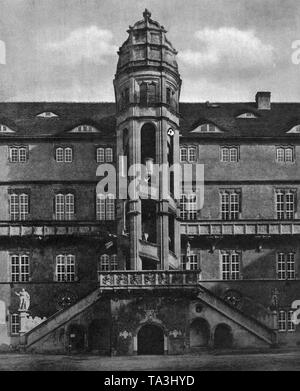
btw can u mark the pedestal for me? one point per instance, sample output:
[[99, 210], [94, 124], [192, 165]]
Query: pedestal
[[23, 322]]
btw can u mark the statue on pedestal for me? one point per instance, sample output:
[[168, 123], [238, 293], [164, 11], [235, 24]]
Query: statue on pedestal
[[24, 300]]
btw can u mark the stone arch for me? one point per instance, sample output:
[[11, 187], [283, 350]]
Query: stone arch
[[99, 336], [76, 337], [199, 333], [223, 336], [151, 339]]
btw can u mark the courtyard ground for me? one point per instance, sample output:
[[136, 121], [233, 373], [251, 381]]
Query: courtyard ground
[[204, 362]]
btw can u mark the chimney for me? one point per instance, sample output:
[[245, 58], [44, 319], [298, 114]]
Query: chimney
[[263, 100]]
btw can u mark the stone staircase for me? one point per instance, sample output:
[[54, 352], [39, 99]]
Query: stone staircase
[[58, 319], [247, 322]]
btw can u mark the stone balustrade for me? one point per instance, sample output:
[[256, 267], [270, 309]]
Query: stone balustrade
[[240, 227], [148, 279]]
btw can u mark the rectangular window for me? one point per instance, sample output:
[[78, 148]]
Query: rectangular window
[[108, 155], [285, 322], [18, 206], [188, 206], [105, 207], [290, 325], [192, 154], [107, 263], [285, 154], [64, 206], [230, 154], [282, 320], [64, 155], [18, 154], [285, 202], [286, 266], [230, 205], [183, 154], [14, 324], [193, 262], [19, 268], [230, 265], [100, 155], [65, 268]]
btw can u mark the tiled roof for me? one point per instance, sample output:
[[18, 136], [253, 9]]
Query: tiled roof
[[270, 123], [22, 118]]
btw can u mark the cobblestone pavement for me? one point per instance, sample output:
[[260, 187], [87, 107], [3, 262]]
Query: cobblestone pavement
[[211, 362]]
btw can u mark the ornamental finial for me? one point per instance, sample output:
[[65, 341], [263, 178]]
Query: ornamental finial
[[146, 14]]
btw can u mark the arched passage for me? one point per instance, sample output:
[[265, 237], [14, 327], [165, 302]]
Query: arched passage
[[76, 338], [99, 337], [199, 333], [223, 336], [150, 340]]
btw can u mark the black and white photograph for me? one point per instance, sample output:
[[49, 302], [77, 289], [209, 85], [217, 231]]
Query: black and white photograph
[[149, 188]]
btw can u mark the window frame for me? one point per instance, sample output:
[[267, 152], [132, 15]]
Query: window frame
[[285, 204], [19, 270], [285, 265], [281, 154], [230, 204], [14, 324], [233, 262], [229, 154], [65, 268], [18, 153], [105, 207]]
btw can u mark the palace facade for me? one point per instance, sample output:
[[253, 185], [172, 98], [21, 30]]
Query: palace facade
[[149, 275]]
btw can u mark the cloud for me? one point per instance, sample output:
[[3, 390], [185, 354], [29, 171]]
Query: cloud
[[2, 53], [229, 51], [89, 44]]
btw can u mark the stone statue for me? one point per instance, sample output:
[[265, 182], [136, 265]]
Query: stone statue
[[24, 300]]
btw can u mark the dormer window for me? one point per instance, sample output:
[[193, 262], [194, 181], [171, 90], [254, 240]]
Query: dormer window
[[84, 129], [5, 129], [207, 128], [47, 114], [247, 115], [295, 129]]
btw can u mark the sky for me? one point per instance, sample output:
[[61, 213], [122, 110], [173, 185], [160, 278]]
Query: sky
[[66, 50]]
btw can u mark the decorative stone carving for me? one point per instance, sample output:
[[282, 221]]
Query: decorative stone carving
[[175, 333], [125, 334]]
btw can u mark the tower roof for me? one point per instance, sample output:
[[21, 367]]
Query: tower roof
[[147, 44]]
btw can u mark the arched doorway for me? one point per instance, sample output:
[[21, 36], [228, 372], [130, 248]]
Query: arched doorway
[[76, 338], [199, 333], [223, 338], [99, 337], [150, 340]]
